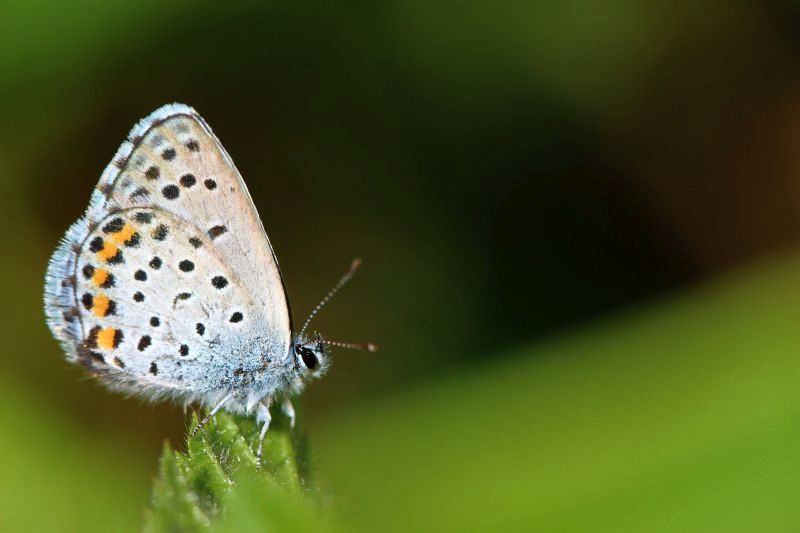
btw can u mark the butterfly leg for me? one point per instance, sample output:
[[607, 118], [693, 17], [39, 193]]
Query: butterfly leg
[[265, 418], [288, 410], [211, 413]]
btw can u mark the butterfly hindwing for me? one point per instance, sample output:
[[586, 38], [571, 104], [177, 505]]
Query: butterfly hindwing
[[156, 299]]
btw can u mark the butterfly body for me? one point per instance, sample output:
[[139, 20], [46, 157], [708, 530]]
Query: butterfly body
[[168, 287]]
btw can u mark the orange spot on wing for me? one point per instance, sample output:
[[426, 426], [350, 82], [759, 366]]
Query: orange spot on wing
[[124, 234], [109, 250], [100, 305], [105, 338], [100, 276]]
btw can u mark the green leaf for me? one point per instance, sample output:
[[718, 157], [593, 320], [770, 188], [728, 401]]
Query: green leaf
[[678, 417], [214, 484]]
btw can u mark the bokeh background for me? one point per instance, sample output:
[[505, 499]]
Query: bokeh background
[[579, 225]]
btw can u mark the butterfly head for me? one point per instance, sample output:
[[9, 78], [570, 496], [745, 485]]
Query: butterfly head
[[311, 356]]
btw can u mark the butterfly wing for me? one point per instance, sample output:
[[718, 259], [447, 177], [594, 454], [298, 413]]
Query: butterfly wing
[[170, 280]]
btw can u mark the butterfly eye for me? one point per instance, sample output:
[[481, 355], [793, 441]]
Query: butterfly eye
[[309, 359]]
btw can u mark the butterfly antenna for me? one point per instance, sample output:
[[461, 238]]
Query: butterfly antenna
[[339, 284], [364, 346]]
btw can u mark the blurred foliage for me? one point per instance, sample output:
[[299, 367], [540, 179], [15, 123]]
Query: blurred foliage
[[59, 475], [679, 417], [676, 417], [215, 485]]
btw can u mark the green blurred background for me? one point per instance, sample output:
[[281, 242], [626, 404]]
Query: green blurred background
[[579, 225]]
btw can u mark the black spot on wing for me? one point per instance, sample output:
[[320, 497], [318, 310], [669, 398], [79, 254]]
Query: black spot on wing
[[188, 180], [134, 241], [152, 173], [143, 218], [109, 282], [116, 259], [118, 337], [171, 192], [182, 296], [160, 232], [144, 342], [91, 339], [216, 231], [96, 244], [114, 226]]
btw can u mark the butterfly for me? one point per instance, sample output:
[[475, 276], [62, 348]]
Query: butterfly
[[168, 288]]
